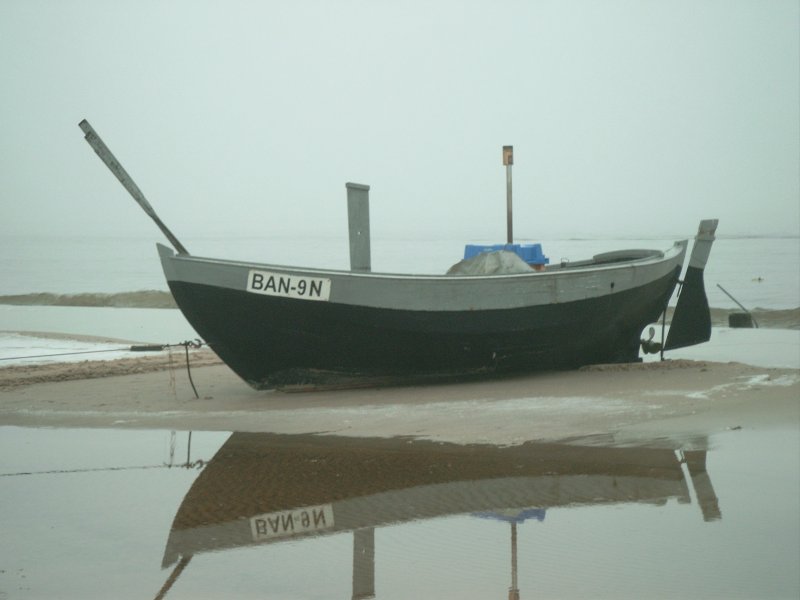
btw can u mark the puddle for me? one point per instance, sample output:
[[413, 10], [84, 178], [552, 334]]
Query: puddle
[[209, 515]]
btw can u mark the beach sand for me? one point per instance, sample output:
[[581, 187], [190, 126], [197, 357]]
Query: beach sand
[[674, 398]]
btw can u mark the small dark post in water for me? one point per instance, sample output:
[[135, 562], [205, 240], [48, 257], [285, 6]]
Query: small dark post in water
[[508, 160], [358, 219], [513, 591], [363, 563]]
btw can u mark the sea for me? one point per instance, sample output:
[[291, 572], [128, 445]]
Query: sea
[[97, 291], [99, 512]]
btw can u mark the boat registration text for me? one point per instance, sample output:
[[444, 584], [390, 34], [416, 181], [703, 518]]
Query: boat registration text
[[288, 286], [292, 522]]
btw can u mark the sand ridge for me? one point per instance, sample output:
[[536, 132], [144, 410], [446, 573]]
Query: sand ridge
[[597, 400]]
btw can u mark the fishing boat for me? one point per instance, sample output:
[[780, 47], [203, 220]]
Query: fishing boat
[[499, 310]]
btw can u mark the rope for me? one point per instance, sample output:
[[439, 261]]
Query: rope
[[171, 369], [64, 354], [195, 344], [197, 464], [136, 348]]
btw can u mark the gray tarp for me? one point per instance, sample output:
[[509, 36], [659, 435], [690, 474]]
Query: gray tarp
[[501, 262]]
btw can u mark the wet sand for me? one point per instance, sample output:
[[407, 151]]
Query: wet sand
[[174, 359], [675, 398]]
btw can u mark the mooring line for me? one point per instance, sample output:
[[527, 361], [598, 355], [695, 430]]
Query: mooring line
[[135, 348], [195, 344], [64, 354], [198, 464]]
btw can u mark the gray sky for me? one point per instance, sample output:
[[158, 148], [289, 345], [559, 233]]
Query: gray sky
[[628, 117]]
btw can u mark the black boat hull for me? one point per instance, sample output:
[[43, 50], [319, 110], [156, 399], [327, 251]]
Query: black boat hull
[[272, 341]]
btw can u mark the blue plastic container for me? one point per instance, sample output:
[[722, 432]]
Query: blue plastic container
[[530, 253]]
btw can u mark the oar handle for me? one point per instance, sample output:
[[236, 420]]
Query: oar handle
[[120, 173]]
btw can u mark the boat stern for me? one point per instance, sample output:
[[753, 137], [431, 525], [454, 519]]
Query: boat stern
[[691, 321]]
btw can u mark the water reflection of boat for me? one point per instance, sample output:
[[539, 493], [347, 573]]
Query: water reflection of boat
[[269, 488]]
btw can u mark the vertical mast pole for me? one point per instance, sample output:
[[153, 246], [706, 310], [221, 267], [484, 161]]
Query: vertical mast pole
[[508, 161]]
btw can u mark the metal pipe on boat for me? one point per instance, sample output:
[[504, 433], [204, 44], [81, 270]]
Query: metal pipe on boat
[[358, 220], [508, 161]]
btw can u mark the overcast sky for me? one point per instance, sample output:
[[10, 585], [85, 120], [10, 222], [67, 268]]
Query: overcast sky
[[627, 117]]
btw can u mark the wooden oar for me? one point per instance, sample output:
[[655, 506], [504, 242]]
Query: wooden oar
[[116, 168]]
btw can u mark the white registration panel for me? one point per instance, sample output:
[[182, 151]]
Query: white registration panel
[[291, 522], [288, 286]]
